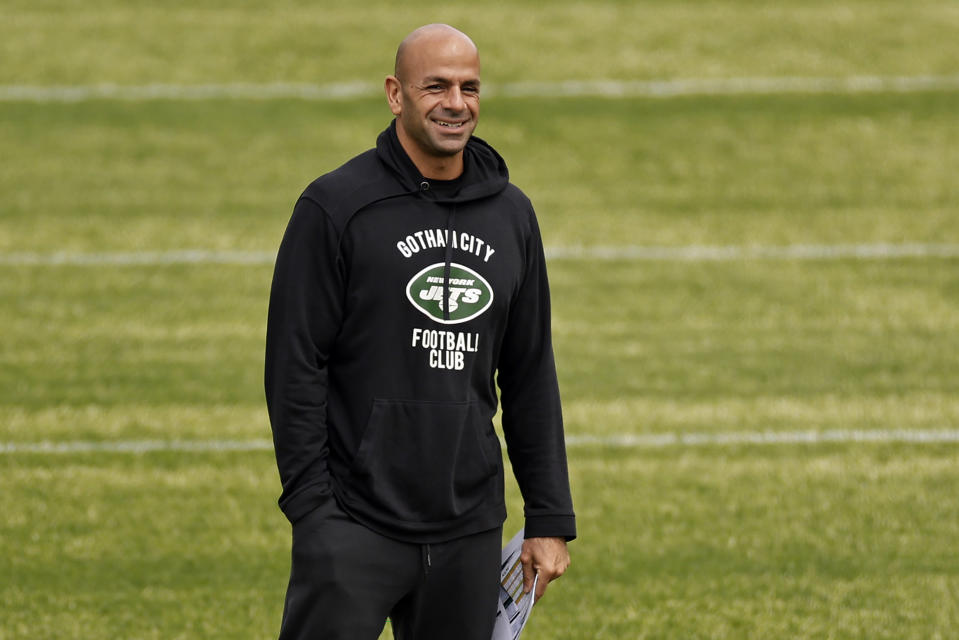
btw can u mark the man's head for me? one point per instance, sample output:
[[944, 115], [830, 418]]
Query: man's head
[[434, 94]]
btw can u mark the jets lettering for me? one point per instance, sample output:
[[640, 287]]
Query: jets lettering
[[435, 292]]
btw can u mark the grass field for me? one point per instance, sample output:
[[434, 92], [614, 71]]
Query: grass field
[[699, 538]]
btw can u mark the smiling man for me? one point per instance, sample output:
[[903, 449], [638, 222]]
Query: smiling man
[[410, 282], [434, 94]]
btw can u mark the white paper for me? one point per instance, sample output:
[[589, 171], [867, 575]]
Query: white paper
[[514, 606]]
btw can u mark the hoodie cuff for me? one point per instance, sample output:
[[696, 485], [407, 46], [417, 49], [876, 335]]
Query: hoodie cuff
[[302, 502], [550, 527]]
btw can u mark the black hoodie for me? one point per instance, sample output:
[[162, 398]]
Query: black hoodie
[[382, 395]]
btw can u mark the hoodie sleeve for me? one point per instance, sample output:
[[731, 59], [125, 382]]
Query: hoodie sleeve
[[532, 416], [304, 317]]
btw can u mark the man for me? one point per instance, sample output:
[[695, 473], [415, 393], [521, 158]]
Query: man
[[411, 281]]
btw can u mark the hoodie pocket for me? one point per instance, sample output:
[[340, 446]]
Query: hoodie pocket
[[425, 461]]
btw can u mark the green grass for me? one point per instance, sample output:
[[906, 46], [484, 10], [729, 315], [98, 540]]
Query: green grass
[[627, 334], [221, 41], [841, 540], [816, 542], [744, 542], [224, 174], [141, 547]]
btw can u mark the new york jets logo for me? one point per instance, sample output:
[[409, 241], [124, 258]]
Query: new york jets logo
[[469, 293]]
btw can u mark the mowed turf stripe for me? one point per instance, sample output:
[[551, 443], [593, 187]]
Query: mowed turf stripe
[[625, 441], [695, 253], [570, 88]]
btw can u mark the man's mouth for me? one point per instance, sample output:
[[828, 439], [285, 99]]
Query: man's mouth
[[450, 125]]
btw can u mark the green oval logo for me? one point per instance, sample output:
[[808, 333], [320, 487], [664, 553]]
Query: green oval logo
[[469, 293]]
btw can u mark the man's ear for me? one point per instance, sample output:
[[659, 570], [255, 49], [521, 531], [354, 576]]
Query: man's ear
[[394, 94]]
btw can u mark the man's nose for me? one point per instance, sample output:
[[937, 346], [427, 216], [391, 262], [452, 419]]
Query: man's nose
[[454, 100]]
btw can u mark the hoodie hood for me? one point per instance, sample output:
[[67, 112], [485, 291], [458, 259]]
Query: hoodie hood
[[484, 170]]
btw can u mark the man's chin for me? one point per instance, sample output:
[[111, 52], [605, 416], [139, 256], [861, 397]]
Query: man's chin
[[449, 148], [451, 143]]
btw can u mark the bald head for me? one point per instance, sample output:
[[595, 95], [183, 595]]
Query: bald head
[[427, 41]]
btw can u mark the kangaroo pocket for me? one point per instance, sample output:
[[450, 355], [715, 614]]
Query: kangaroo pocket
[[425, 461]]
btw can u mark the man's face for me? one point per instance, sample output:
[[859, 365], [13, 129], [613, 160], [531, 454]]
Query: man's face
[[437, 103]]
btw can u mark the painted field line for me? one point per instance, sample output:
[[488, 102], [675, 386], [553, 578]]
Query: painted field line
[[766, 438], [729, 86], [707, 253], [695, 253], [569, 88], [620, 441], [135, 446], [134, 258]]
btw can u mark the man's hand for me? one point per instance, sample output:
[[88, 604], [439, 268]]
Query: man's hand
[[547, 556]]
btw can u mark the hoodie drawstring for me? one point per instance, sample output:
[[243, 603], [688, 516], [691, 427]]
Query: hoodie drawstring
[[448, 262]]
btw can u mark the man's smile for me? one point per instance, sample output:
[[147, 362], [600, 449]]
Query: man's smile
[[450, 124]]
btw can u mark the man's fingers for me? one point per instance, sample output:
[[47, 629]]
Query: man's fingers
[[545, 578], [529, 573]]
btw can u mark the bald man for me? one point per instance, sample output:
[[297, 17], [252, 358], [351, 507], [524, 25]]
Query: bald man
[[410, 283]]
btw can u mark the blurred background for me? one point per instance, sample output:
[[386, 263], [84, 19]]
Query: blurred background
[[751, 214]]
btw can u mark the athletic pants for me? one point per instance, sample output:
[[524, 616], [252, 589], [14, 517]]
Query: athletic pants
[[346, 580]]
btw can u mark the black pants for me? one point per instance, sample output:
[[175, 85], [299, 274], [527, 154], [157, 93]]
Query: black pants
[[346, 580]]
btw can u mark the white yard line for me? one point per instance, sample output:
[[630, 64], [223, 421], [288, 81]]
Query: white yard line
[[133, 258], [707, 253], [570, 88], [766, 438], [620, 441], [694, 253], [164, 91], [729, 86], [134, 446]]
